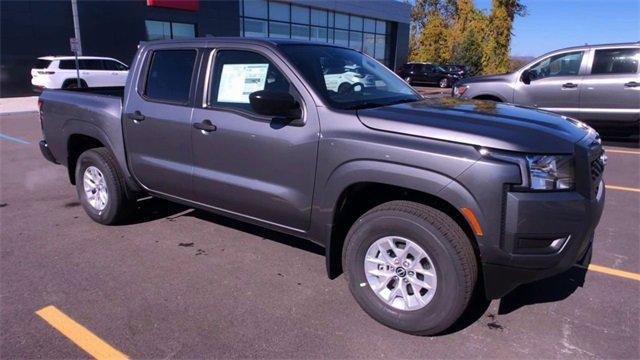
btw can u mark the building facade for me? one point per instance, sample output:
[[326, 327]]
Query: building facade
[[30, 29]]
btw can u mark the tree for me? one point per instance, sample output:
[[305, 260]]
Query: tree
[[454, 31], [495, 57]]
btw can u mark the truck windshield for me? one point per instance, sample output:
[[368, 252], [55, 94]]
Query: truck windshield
[[347, 79]]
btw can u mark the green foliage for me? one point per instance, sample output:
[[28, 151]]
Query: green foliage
[[454, 31]]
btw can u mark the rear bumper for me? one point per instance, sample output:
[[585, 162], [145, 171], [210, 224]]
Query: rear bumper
[[46, 152], [544, 234]]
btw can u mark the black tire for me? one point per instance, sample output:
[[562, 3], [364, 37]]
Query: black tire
[[118, 206], [445, 243], [73, 84], [444, 83]]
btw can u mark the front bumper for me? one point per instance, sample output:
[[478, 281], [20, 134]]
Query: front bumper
[[546, 233]]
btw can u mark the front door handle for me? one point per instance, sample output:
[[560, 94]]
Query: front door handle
[[632, 84], [569, 86], [205, 126], [137, 116]]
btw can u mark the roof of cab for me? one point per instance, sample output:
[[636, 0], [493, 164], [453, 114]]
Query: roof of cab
[[67, 57], [270, 42]]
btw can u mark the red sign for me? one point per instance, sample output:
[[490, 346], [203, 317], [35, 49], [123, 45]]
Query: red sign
[[192, 5]]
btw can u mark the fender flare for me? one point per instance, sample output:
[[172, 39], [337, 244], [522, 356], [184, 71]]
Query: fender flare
[[387, 173], [81, 127]]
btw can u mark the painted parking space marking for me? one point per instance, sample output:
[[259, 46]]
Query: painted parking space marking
[[7, 137], [78, 334], [615, 151], [612, 271], [623, 188]]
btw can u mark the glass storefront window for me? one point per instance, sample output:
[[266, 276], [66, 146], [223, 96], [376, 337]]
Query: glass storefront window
[[299, 14], [318, 17], [369, 44], [183, 31], [341, 37], [369, 25], [318, 34], [159, 30], [356, 23], [342, 21], [255, 8], [355, 40], [255, 28], [381, 42], [281, 19], [279, 11], [300, 32], [279, 30]]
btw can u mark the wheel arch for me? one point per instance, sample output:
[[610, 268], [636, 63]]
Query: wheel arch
[[354, 192], [66, 82], [491, 97]]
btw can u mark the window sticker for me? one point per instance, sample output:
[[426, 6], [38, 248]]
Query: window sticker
[[237, 81]]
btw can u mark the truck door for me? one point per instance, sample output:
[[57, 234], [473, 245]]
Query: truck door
[[554, 84], [611, 90], [157, 121], [246, 163]]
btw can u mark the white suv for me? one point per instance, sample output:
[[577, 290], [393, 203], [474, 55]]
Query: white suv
[[59, 72]]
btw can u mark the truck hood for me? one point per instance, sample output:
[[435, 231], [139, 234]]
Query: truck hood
[[481, 123]]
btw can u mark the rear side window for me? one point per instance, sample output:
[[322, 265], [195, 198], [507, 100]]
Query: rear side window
[[91, 64], [67, 64], [616, 61], [169, 75], [42, 64], [113, 65]]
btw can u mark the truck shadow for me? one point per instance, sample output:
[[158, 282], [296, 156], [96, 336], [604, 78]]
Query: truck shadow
[[555, 288]]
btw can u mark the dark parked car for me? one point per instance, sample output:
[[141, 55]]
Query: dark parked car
[[413, 199], [598, 84], [456, 69], [426, 73]]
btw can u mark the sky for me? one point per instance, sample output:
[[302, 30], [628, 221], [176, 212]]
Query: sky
[[554, 24]]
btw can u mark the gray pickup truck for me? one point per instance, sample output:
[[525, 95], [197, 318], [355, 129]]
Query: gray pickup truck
[[417, 201], [598, 84]]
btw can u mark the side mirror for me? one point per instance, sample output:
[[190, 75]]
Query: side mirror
[[275, 103], [526, 77]]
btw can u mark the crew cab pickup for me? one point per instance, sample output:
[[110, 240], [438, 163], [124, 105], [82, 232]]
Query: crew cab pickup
[[415, 200]]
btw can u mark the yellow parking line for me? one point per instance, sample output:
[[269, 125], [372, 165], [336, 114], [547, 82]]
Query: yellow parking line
[[78, 334], [623, 188], [614, 151], [614, 272]]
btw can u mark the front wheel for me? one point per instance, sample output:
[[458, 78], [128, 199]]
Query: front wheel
[[443, 83], [100, 187], [410, 267], [408, 80]]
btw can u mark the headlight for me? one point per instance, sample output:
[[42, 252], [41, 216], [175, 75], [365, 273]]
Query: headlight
[[551, 172], [459, 90]]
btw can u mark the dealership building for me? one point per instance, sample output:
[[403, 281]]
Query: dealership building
[[31, 29]]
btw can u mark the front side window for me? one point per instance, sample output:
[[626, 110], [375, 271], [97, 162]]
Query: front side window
[[347, 79], [566, 64], [169, 75], [236, 74], [91, 64], [616, 61]]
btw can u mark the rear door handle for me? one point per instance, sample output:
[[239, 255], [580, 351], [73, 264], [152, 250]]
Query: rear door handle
[[569, 86], [205, 126], [137, 116], [632, 84]]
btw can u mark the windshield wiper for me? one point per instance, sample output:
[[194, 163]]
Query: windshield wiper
[[365, 105]]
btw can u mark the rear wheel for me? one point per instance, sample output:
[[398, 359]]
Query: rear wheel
[[443, 83], [410, 267], [100, 187]]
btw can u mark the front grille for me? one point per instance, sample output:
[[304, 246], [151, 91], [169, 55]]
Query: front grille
[[597, 168]]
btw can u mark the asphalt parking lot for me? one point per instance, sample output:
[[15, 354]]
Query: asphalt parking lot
[[178, 283]]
